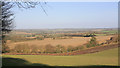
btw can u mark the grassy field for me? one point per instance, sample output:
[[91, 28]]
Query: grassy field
[[110, 31], [75, 41], [108, 57]]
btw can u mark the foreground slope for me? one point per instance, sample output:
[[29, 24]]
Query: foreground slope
[[107, 57]]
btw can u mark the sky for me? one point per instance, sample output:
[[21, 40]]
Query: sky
[[68, 15]]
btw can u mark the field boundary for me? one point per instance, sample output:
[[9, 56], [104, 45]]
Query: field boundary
[[78, 52]]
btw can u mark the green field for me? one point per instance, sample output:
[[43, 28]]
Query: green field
[[108, 57], [110, 31]]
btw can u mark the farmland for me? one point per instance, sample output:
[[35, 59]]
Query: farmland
[[75, 41], [58, 40], [108, 57], [64, 34], [61, 47]]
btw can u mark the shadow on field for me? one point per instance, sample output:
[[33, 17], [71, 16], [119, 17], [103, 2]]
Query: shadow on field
[[8, 61], [21, 63]]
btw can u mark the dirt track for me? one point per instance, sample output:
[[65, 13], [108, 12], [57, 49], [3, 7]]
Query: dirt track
[[90, 50]]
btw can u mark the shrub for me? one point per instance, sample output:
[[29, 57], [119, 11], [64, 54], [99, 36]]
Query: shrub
[[22, 48], [87, 45], [40, 38], [70, 48], [5, 47], [92, 43], [18, 38], [79, 48], [49, 48], [33, 49], [60, 49]]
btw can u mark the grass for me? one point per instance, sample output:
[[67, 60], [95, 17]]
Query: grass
[[75, 41], [108, 57], [100, 34], [110, 31]]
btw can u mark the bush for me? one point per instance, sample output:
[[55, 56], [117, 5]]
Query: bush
[[79, 48], [5, 47], [22, 48], [40, 38], [92, 43], [33, 49], [18, 38], [60, 49], [87, 45], [89, 35], [49, 48], [70, 48]]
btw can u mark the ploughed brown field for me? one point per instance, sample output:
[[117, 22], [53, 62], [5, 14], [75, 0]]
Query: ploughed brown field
[[74, 41]]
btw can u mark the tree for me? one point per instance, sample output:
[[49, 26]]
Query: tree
[[60, 49], [6, 22], [6, 17], [92, 42], [28, 5]]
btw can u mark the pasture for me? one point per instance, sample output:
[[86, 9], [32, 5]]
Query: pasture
[[107, 57], [74, 41]]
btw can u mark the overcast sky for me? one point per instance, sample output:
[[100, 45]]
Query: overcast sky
[[68, 15]]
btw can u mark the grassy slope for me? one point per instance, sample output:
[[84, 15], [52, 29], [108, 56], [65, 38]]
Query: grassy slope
[[108, 57]]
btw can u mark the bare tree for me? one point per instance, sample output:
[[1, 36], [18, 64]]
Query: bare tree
[[7, 17], [28, 5]]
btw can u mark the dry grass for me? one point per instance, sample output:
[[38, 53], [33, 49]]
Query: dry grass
[[75, 41], [102, 39]]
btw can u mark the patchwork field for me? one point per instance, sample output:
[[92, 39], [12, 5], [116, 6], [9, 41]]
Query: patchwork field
[[56, 49], [75, 41], [108, 57]]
